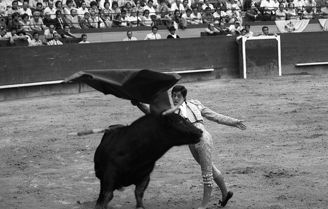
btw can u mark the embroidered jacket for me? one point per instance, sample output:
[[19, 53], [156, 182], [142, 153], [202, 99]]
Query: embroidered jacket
[[199, 111]]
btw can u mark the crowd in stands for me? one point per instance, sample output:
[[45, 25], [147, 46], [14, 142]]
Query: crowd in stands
[[50, 18]]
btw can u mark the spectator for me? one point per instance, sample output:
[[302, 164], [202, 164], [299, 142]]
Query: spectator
[[95, 20], [25, 9], [106, 15], [35, 41], [146, 19], [253, 13], [13, 22], [162, 8], [94, 8], [187, 16], [84, 38], [55, 41], [128, 8], [51, 10], [177, 5], [59, 7], [73, 20], [68, 8], [25, 23], [235, 28], [85, 21], [308, 13], [299, 5], [217, 15], [172, 34], [49, 32], [59, 21], [129, 36], [207, 16], [291, 13], [83, 9], [34, 4], [196, 16], [115, 9], [178, 20], [281, 12], [212, 30], [139, 8], [36, 22], [150, 7], [311, 3], [66, 33], [268, 8], [222, 28], [121, 20], [186, 6], [242, 33], [14, 8], [249, 33], [40, 8], [265, 31], [164, 19], [207, 4], [324, 11], [233, 11], [4, 35], [13, 35], [133, 19], [47, 20], [153, 35]]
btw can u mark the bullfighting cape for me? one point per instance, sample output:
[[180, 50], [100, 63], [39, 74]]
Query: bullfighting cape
[[145, 86]]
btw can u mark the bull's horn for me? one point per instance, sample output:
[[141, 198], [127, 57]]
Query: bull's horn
[[173, 109]]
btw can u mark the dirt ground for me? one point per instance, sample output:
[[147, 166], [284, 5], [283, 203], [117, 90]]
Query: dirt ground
[[280, 161]]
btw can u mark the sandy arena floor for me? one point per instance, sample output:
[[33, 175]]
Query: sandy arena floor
[[280, 161]]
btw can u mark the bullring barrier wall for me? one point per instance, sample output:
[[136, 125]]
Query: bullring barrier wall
[[21, 65]]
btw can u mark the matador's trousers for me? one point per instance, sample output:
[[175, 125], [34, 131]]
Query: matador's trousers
[[202, 152]]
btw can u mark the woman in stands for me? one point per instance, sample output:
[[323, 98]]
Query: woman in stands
[[106, 14], [146, 19], [59, 6], [178, 20], [291, 12], [281, 12], [115, 9]]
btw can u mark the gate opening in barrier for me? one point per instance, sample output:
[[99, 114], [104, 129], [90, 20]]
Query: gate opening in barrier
[[260, 57]]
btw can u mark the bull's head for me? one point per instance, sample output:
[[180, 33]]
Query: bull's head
[[180, 130]]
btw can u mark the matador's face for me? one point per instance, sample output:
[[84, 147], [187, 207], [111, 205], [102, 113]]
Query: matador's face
[[177, 97]]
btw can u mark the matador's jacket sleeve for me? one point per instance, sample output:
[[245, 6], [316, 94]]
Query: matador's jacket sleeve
[[213, 116]]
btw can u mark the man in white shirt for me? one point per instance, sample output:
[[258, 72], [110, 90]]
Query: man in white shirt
[[153, 35], [50, 9], [84, 38], [129, 37], [35, 41], [83, 9], [25, 9]]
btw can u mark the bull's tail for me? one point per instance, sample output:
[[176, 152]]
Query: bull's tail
[[87, 132]]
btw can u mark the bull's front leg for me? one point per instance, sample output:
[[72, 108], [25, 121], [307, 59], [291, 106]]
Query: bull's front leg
[[140, 190]]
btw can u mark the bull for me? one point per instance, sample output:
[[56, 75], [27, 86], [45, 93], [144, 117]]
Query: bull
[[127, 154]]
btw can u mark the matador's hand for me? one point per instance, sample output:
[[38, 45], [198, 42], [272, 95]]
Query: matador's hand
[[239, 124]]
